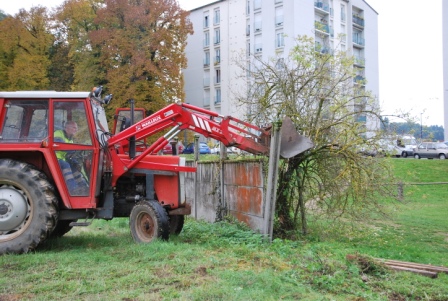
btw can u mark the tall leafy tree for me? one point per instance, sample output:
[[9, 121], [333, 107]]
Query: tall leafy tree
[[142, 50], [74, 21], [26, 40], [327, 102]]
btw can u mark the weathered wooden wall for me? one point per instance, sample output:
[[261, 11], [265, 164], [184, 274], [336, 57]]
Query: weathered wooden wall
[[243, 194]]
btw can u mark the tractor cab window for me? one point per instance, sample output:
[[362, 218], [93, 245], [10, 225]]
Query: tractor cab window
[[70, 120], [72, 139], [25, 121]]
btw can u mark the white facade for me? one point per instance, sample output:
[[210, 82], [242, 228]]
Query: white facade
[[445, 65], [267, 27]]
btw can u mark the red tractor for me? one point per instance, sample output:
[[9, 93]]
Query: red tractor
[[61, 167]]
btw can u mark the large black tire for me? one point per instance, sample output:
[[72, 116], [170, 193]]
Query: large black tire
[[62, 227], [404, 154], [28, 207], [149, 221], [176, 224]]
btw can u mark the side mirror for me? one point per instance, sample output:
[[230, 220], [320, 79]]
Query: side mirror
[[107, 99]]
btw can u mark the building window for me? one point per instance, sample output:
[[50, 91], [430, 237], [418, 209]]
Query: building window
[[217, 76], [206, 80], [257, 22], [248, 7], [217, 17], [206, 39], [343, 16], [206, 98], [206, 59], [217, 36], [257, 4], [206, 21], [279, 41], [279, 16], [217, 56], [217, 96]]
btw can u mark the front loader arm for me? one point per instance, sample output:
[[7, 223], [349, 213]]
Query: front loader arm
[[228, 130]]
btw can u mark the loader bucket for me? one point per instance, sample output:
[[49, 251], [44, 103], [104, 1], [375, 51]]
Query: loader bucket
[[292, 143]]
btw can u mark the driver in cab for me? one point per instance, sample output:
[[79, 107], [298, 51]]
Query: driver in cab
[[71, 168]]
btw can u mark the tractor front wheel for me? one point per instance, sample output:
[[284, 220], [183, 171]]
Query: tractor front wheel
[[28, 207], [149, 221], [176, 224]]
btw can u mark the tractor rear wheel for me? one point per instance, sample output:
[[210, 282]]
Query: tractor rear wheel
[[149, 221], [176, 224], [28, 207]]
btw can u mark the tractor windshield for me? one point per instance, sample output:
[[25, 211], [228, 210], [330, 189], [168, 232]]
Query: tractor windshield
[[102, 129]]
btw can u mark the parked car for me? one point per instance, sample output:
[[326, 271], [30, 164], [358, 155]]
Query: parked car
[[431, 150], [168, 149], [230, 150], [203, 148]]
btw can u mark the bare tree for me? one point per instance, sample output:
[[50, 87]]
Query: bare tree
[[324, 94]]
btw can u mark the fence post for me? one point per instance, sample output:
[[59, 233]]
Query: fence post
[[196, 182], [400, 191], [271, 191]]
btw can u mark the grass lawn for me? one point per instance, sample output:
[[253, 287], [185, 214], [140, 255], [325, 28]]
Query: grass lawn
[[225, 261]]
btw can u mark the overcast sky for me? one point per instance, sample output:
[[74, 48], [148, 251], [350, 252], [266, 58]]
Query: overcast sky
[[410, 53]]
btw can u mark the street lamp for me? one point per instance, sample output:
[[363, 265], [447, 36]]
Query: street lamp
[[421, 127]]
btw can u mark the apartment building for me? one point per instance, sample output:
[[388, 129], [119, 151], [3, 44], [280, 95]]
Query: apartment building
[[445, 65], [226, 29]]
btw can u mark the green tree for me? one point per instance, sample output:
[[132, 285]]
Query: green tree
[[25, 41], [327, 101], [3, 15], [74, 21]]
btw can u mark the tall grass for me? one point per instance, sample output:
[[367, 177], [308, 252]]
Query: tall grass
[[226, 261]]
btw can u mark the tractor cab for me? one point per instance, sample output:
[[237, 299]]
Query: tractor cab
[[60, 133]]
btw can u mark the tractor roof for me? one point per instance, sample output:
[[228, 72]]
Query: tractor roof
[[43, 94]]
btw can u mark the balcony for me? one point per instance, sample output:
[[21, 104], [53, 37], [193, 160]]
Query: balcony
[[358, 20], [258, 48], [206, 63], [359, 40], [217, 60], [322, 27], [322, 6], [207, 101], [206, 81], [257, 26]]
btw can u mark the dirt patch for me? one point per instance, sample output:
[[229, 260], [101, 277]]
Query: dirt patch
[[14, 297]]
